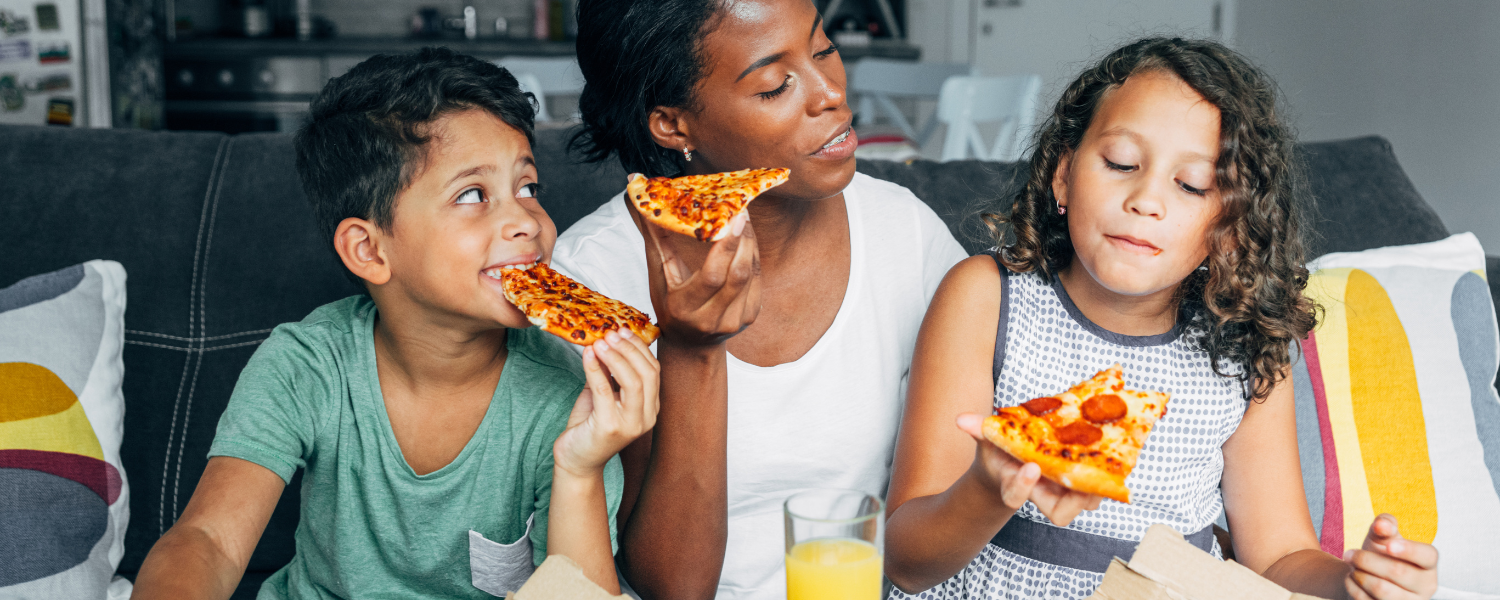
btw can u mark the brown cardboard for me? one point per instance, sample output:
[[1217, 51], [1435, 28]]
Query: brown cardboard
[[559, 578], [1167, 567]]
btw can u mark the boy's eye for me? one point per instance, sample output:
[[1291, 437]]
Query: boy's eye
[[471, 196], [1119, 167], [529, 190]]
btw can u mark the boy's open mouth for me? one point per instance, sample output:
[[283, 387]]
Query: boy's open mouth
[[494, 272]]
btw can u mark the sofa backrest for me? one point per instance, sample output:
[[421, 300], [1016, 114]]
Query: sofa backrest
[[219, 245]]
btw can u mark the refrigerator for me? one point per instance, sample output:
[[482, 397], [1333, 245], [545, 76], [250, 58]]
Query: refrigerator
[[54, 63]]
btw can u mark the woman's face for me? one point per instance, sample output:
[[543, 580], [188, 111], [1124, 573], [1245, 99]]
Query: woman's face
[[772, 95]]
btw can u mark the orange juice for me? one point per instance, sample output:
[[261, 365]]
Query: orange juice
[[833, 569]]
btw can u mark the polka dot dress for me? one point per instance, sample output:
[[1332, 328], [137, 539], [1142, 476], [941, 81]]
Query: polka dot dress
[[1049, 346]]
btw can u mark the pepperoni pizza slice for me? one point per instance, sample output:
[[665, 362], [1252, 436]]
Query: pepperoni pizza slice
[[1087, 438], [700, 205], [568, 309]]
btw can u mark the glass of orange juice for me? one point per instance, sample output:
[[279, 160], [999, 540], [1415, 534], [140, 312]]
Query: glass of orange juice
[[835, 542]]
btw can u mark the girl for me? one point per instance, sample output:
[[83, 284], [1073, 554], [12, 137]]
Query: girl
[[1158, 229]]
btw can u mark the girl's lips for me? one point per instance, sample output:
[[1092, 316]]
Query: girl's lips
[[1133, 245], [841, 150]]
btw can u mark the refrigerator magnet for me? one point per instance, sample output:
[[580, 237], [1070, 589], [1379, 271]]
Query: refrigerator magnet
[[49, 54]]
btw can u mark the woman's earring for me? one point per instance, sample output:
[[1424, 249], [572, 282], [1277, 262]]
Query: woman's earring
[[687, 155]]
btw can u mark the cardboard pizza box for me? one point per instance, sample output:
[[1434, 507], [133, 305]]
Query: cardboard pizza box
[[1167, 567], [559, 578]]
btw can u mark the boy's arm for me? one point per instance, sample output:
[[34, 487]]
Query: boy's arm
[[578, 525], [205, 552]]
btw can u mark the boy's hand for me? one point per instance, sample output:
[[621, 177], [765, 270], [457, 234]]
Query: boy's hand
[[607, 416], [1015, 482], [718, 300], [1389, 566]]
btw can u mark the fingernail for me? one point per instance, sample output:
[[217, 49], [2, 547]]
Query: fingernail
[[625, 333], [1348, 554], [739, 224], [1395, 547], [613, 336], [601, 347]]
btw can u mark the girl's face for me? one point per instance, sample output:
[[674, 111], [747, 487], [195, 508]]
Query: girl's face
[[1139, 189], [772, 95]]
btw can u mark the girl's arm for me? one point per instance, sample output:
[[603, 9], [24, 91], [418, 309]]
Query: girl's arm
[[604, 420], [1273, 532], [205, 552], [951, 492], [674, 514]]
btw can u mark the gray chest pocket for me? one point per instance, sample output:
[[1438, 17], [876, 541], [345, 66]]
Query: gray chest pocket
[[500, 568]]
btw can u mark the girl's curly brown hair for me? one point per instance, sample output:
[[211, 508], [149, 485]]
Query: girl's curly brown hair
[[1247, 307]]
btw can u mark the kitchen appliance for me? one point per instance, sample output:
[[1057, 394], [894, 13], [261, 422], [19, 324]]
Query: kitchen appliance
[[54, 63]]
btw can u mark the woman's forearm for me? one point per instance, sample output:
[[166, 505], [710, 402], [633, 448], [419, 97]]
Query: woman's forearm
[[931, 538], [1312, 572], [673, 543], [578, 525]]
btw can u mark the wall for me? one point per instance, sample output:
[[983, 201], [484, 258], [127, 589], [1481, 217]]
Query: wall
[[361, 18], [1420, 73]]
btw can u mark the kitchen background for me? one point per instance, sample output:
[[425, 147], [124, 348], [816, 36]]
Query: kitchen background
[[1418, 72]]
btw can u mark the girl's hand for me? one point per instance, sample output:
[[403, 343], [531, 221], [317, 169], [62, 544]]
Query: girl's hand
[[608, 416], [1015, 483], [1390, 567], [710, 305]]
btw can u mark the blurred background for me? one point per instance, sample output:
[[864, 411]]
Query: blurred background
[[929, 79]]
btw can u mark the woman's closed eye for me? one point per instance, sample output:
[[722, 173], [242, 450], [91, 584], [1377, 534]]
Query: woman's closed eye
[[785, 83], [832, 47]]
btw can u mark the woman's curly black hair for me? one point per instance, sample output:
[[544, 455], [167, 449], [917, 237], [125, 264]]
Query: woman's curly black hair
[[1248, 306]]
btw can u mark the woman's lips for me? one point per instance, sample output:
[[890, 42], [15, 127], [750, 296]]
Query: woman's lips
[[841, 150], [1130, 244]]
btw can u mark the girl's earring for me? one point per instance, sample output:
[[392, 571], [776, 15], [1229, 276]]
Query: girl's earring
[[687, 155], [1062, 210]]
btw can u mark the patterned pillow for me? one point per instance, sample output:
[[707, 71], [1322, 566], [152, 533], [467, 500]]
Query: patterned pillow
[[62, 491], [1396, 405]]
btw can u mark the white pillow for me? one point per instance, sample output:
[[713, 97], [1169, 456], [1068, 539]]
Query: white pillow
[[63, 492]]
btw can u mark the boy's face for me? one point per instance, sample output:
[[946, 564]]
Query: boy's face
[[468, 211]]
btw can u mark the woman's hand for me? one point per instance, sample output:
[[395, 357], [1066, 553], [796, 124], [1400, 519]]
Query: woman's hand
[[608, 416], [1391, 567], [711, 304], [1015, 482]]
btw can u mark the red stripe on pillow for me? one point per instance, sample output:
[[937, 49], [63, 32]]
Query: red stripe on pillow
[[1332, 538]]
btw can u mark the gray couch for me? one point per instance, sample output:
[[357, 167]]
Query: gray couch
[[219, 245]]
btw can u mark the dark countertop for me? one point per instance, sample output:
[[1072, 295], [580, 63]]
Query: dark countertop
[[221, 48]]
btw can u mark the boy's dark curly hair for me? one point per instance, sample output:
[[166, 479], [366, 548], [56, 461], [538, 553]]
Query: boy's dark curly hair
[[1248, 307]]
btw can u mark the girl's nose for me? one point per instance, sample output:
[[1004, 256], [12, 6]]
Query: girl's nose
[[1146, 201]]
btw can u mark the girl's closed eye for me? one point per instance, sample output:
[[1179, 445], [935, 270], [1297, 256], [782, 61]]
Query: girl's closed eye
[[1114, 166]]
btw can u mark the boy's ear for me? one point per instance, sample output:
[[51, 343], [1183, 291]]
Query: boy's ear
[[1060, 180], [359, 244], [668, 127]]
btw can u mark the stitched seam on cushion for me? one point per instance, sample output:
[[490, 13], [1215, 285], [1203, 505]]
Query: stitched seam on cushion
[[199, 339], [202, 282], [199, 350], [213, 176]]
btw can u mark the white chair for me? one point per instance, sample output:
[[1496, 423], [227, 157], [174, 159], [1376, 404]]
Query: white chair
[[876, 80], [545, 77], [967, 101]]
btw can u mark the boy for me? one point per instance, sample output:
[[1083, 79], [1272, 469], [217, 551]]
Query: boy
[[438, 432]]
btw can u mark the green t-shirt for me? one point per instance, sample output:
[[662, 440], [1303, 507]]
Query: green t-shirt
[[371, 527]]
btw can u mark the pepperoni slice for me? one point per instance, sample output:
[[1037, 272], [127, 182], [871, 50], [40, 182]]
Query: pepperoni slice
[[1079, 433], [1104, 408], [1042, 406]]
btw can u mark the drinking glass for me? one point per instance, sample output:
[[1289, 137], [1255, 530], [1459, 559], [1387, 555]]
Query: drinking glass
[[835, 542]]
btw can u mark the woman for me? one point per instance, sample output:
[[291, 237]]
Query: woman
[[785, 347]]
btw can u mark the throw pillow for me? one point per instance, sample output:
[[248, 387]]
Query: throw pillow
[[1396, 405], [62, 490]]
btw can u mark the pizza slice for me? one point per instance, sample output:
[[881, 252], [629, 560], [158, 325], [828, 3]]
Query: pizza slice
[[568, 309], [1087, 438], [700, 205]]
